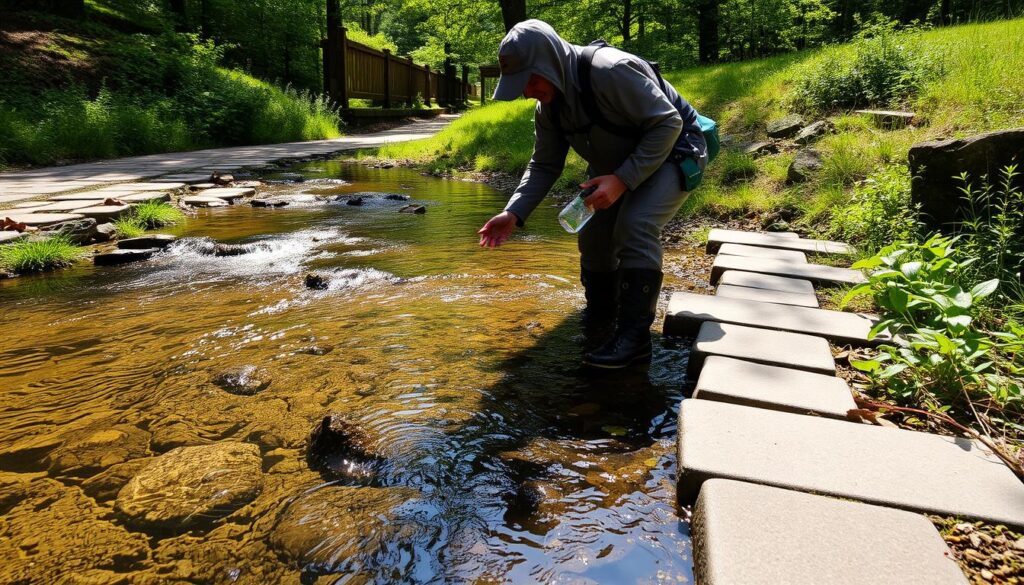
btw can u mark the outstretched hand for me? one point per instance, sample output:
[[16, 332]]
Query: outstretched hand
[[497, 229], [608, 190]]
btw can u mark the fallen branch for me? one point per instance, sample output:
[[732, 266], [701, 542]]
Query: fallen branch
[[1007, 458]]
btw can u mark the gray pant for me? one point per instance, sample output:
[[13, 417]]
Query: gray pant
[[628, 234]]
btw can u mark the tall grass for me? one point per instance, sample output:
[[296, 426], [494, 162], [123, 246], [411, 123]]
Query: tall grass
[[147, 215], [39, 255]]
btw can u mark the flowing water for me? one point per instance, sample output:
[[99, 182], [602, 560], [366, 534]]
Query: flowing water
[[488, 456]]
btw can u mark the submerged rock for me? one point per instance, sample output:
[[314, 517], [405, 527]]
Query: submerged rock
[[190, 487], [238, 249], [354, 201], [54, 532], [115, 257], [269, 202], [87, 452], [147, 241], [417, 209], [243, 380], [105, 486], [317, 281], [344, 529]]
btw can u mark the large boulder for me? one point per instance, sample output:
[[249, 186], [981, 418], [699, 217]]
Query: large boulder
[[786, 127], [189, 487], [935, 166]]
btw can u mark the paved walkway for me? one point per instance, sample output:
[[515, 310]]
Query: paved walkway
[[34, 183]]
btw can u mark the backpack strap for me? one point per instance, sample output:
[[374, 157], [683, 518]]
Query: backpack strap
[[589, 100]]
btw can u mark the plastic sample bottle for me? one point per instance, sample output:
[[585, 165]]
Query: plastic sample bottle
[[577, 213]]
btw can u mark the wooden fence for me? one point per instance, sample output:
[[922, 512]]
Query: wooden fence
[[355, 71]]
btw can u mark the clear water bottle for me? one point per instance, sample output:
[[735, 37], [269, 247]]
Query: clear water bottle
[[577, 213]]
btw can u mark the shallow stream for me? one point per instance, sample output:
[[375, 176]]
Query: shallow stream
[[487, 455]]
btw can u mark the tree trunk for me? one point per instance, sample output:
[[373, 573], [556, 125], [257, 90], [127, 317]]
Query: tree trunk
[[180, 15], [512, 12], [627, 22], [707, 30]]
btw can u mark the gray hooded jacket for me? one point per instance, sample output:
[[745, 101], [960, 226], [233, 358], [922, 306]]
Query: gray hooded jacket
[[628, 94]]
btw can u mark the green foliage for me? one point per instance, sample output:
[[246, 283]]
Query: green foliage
[[882, 68], [128, 227], [941, 356], [154, 214], [993, 231], [879, 213], [39, 255], [736, 166]]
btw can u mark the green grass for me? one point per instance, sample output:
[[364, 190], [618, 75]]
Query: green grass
[[148, 215], [39, 255], [977, 90]]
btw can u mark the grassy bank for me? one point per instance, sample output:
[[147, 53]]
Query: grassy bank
[[115, 85], [969, 85]]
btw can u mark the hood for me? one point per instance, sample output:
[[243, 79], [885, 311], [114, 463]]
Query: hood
[[532, 46]]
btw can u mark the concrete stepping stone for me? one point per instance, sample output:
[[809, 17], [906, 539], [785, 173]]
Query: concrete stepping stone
[[719, 236], [905, 469], [759, 252], [750, 384], [203, 201], [114, 257], [686, 312], [888, 118], [143, 197], [201, 186], [763, 346], [146, 242], [766, 296], [759, 535], [143, 187], [58, 206], [104, 213], [766, 282], [7, 237], [816, 273], [31, 204], [228, 193], [89, 196], [40, 219], [187, 178]]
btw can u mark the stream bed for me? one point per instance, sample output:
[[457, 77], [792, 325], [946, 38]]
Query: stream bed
[[475, 448]]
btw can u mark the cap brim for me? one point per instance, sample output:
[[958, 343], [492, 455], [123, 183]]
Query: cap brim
[[511, 86]]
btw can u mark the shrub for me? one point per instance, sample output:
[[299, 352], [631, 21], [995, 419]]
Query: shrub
[[885, 68], [879, 213], [941, 356], [38, 255]]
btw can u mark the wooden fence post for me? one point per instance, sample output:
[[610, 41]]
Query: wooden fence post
[[447, 81], [426, 94], [340, 70], [387, 78], [325, 51], [410, 82], [483, 87], [465, 85]]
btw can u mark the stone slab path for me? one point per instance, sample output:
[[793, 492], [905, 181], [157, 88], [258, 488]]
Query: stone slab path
[[893, 467], [780, 348], [767, 282], [35, 183], [718, 236], [759, 252], [766, 296], [776, 388], [686, 312], [757, 535], [814, 272]]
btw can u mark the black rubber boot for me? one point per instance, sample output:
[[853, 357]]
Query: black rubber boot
[[638, 300], [601, 290]]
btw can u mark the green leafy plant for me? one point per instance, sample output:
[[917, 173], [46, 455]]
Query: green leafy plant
[[39, 255], [939, 356], [993, 231], [879, 212]]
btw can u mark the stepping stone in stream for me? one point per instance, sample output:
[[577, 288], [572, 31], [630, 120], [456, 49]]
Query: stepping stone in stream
[[89, 196], [766, 282], [814, 272], [32, 204], [759, 535], [759, 252], [203, 201], [766, 296], [143, 197], [188, 178], [686, 312], [915, 471], [104, 213], [750, 384], [775, 348], [65, 206], [136, 187], [7, 237], [40, 219], [146, 242], [718, 236], [228, 193], [123, 256]]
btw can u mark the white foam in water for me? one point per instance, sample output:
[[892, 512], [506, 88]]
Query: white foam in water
[[350, 278]]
